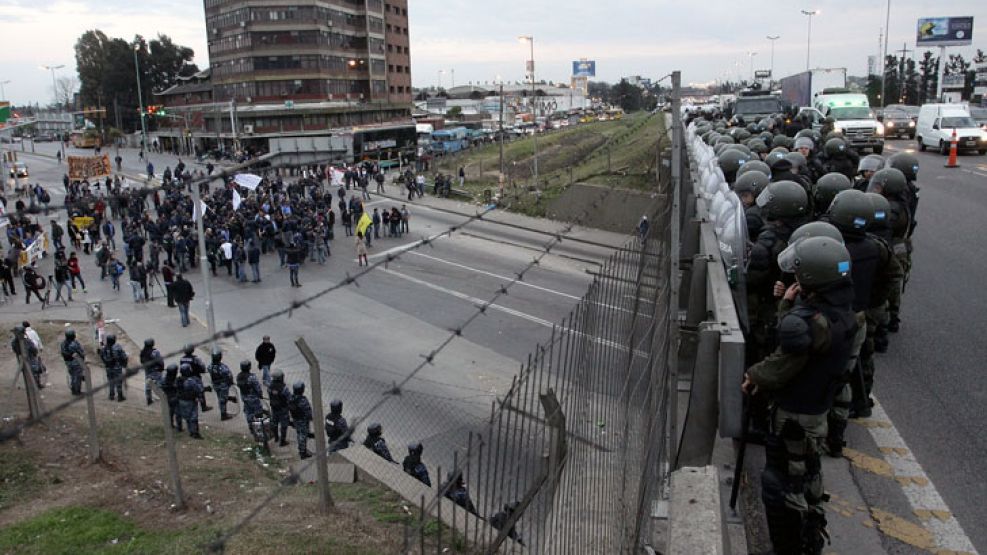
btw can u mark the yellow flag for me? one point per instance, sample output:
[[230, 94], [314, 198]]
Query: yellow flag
[[363, 224]]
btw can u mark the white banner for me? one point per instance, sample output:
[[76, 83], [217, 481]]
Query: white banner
[[34, 252], [247, 180], [336, 176], [236, 200], [202, 208]]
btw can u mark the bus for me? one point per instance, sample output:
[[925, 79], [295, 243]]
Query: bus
[[387, 144], [450, 140]]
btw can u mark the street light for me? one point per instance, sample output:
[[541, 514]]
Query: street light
[[773, 38], [140, 97], [534, 106], [751, 55], [441, 73], [808, 40], [3, 95]]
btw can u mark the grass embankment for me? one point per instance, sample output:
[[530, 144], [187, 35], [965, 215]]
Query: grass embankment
[[619, 153], [54, 501]]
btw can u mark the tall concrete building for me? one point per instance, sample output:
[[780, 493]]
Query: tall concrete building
[[289, 68]]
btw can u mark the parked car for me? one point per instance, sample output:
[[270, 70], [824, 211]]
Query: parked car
[[18, 169], [937, 123], [898, 123]]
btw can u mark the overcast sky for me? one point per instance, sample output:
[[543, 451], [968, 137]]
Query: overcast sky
[[478, 40]]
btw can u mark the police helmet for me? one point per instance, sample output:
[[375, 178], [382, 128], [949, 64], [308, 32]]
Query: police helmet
[[149, 343], [277, 376], [774, 157], [890, 182], [906, 163], [725, 139], [754, 166], [751, 182], [881, 210], [730, 161], [217, 354], [375, 429], [70, 334], [766, 136], [245, 366], [110, 340], [172, 370], [757, 146], [335, 406], [741, 134], [816, 262], [870, 163], [807, 133], [815, 229], [851, 210], [415, 448], [778, 162], [779, 140], [827, 187], [780, 149], [784, 199], [832, 135], [816, 136], [186, 370], [835, 147], [741, 147], [797, 160], [298, 388], [188, 349]]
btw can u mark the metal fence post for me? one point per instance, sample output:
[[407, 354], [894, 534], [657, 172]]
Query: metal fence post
[[677, 160], [321, 460], [30, 388], [94, 449], [176, 479]]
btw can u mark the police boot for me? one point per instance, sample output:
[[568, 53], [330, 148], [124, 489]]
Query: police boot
[[814, 533], [894, 323], [306, 455], [835, 438], [881, 339], [197, 435], [283, 442], [225, 416]]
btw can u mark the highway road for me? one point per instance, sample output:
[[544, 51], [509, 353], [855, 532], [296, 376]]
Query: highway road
[[932, 382], [369, 337]]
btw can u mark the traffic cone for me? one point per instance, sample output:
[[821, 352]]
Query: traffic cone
[[952, 163]]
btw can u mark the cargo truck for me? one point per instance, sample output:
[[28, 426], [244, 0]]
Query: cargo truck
[[801, 89]]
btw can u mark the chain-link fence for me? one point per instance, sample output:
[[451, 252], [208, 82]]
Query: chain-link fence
[[575, 453]]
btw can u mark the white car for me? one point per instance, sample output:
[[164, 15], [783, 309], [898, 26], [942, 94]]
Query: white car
[[18, 169]]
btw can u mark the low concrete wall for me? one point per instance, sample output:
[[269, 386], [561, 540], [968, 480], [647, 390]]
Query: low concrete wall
[[620, 212], [695, 515]]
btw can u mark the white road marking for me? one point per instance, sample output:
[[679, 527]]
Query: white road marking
[[491, 274], [922, 494]]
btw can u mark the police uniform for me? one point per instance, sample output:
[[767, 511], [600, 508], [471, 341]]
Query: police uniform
[[73, 355]]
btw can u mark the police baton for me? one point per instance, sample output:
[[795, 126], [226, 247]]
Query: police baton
[[741, 451]]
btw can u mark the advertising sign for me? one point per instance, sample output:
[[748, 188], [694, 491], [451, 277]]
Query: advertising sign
[[955, 81], [944, 31], [84, 167], [584, 68], [762, 74]]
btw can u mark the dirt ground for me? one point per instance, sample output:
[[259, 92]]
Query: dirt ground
[[124, 504]]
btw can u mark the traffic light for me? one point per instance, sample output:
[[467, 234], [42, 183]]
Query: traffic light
[[151, 110], [162, 111]]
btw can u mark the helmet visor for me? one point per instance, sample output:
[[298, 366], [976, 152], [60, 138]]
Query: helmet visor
[[788, 260]]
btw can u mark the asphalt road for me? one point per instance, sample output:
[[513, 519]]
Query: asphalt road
[[369, 337], [931, 382]]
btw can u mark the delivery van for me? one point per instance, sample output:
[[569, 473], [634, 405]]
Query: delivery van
[[937, 123]]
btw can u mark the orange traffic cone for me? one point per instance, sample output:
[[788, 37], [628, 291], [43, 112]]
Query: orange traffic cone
[[952, 163]]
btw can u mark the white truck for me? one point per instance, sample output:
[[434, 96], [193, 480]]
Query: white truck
[[854, 118]]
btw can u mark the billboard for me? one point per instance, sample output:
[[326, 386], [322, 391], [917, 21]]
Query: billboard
[[85, 167], [944, 31], [584, 68]]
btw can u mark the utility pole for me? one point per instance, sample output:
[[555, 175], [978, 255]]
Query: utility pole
[[901, 72], [808, 39], [502, 129], [534, 104], [140, 99], [204, 262], [773, 38], [884, 57]]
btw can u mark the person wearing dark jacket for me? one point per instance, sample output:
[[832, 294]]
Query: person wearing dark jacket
[[294, 257], [264, 355], [183, 294]]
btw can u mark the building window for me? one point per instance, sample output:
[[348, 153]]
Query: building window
[[392, 89], [390, 48]]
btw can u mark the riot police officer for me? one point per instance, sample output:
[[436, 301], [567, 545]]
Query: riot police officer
[[375, 442], [826, 189], [301, 417], [456, 491], [250, 392], [865, 170], [73, 355], [337, 429], [222, 381], [839, 157], [892, 184], [153, 364], [190, 390], [115, 360], [170, 388], [279, 397], [802, 375], [198, 368], [413, 465]]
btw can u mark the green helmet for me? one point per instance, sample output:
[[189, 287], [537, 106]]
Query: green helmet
[[835, 147], [890, 182], [832, 135], [754, 166], [741, 134], [797, 160], [277, 376], [780, 149], [757, 146], [784, 199], [70, 334], [906, 163], [804, 133], [730, 161], [767, 137], [727, 139], [815, 135], [827, 187], [870, 163], [815, 229], [741, 148], [774, 157], [881, 210], [779, 140], [829, 119], [751, 182], [816, 262], [851, 210]]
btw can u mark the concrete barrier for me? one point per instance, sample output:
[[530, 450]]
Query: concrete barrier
[[696, 523]]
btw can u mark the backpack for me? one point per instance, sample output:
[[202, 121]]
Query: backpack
[[118, 269], [45, 197]]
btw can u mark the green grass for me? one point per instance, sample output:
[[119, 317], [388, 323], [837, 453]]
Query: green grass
[[383, 504], [620, 153], [19, 478], [72, 530]]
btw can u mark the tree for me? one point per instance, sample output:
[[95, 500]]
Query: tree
[[929, 77], [65, 89], [454, 112], [874, 90], [909, 94]]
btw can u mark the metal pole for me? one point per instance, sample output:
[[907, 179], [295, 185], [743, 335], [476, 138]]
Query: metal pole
[[501, 129], [318, 416], [94, 450], [534, 107], [808, 44], [677, 148], [30, 387], [204, 262], [942, 68], [140, 101], [773, 38], [884, 58], [176, 479]]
